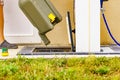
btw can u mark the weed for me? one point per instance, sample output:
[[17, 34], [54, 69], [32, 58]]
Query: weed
[[89, 68], [9, 69], [102, 70]]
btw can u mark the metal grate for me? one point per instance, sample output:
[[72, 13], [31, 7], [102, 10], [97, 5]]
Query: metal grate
[[52, 50]]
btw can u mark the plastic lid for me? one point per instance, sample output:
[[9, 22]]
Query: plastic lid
[[4, 50]]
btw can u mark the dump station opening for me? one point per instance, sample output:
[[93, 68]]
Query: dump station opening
[[52, 49]]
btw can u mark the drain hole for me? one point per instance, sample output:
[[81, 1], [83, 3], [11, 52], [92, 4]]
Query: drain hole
[[52, 50]]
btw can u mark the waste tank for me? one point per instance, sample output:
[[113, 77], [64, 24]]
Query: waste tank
[[42, 14]]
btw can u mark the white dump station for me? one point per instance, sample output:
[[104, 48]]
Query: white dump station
[[87, 16]]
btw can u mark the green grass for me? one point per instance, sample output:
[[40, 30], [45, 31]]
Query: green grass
[[90, 68]]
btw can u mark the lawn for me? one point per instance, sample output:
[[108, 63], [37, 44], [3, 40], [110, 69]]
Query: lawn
[[90, 68]]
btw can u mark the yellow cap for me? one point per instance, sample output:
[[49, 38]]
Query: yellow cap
[[52, 17]]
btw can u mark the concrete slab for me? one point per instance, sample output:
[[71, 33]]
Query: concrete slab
[[108, 51], [31, 50]]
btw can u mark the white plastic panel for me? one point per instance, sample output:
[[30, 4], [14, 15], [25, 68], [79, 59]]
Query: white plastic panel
[[87, 16], [18, 28]]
